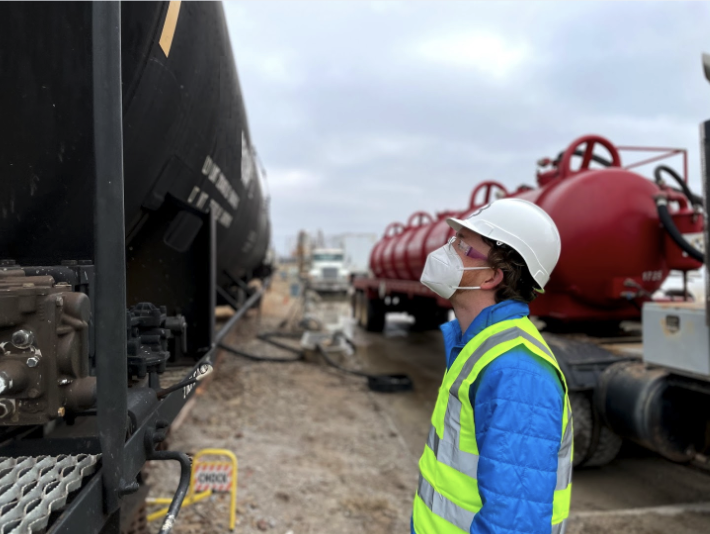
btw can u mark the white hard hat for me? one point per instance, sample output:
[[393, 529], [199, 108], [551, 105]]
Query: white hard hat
[[523, 226]]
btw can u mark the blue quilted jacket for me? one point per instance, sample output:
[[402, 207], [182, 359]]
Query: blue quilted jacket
[[518, 405]]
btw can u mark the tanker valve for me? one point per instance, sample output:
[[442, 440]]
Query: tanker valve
[[44, 350], [682, 228]]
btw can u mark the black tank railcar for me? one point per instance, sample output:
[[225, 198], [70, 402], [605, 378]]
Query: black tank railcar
[[129, 196], [185, 136]]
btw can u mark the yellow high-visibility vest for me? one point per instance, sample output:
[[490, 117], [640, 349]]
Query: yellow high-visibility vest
[[447, 498]]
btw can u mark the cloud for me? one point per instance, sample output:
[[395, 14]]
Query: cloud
[[486, 52], [293, 181], [363, 113]]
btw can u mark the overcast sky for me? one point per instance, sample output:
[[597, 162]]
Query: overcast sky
[[364, 112]]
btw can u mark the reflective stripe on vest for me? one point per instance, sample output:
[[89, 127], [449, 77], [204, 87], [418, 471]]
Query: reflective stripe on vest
[[559, 528], [447, 449], [443, 507]]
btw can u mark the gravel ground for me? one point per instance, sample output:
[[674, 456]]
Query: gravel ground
[[319, 453], [316, 454]]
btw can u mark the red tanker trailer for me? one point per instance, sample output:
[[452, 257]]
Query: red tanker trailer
[[621, 236], [615, 250]]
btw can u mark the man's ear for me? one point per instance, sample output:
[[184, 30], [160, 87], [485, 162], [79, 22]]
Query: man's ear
[[493, 281]]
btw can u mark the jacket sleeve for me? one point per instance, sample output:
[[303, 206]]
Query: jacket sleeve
[[518, 407]]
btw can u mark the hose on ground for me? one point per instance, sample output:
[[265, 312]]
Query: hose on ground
[[267, 338], [382, 383], [672, 229], [390, 383]]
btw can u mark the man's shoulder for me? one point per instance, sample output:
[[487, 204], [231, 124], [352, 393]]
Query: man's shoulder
[[526, 368], [521, 358]]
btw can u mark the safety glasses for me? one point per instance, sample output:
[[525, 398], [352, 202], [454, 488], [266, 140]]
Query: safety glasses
[[467, 249]]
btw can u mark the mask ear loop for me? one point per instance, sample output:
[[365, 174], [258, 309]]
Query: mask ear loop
[[472, 269]]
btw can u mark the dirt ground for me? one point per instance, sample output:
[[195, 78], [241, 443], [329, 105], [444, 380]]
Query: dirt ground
[[315, 452], [319, 453]]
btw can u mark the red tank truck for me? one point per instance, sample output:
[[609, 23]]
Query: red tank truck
[[622, 234]]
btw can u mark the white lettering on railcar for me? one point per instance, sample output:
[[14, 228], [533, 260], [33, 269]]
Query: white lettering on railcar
[[221, 182], [220, 214], [233, 199], [207, 166], [247, 162], [193, 194], [226, 219], [250, 241], [202, 200]]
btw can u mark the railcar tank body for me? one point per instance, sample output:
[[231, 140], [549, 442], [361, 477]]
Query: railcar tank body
[[129, 194], [187, 147]]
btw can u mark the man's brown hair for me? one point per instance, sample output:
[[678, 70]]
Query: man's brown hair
[[518, 283]]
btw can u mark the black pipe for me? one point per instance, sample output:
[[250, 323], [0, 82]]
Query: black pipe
[[694, 199], [109, 319], [228, 298], [642, 404], [705, 177], [251, 301], [672, 229]]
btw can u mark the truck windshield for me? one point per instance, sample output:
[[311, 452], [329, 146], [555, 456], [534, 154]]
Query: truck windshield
[[327, 257]]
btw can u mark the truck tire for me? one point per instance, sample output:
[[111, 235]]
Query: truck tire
[[582, 420], [374, 314], [360, 312], [607, 449], [595, 445]]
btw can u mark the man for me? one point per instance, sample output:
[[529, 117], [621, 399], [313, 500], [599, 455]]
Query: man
[[498, 459]]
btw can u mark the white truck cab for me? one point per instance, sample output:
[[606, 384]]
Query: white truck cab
[[328, 272]]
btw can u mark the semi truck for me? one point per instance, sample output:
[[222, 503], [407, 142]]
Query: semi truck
[[636, 356], [328, 272]]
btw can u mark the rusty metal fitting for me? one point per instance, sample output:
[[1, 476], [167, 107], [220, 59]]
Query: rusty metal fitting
[[23, 339]]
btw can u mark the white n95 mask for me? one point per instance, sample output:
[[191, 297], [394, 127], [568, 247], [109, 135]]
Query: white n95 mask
[[443, 271]]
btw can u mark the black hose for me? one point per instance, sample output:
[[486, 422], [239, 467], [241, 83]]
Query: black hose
[[383, 383], [183, 485], [324, 353], [672, 229], [200, 373], [166, 391], [694, 199], [266, 337]]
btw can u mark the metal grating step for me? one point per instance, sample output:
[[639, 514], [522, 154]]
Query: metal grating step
[[31, 488]]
